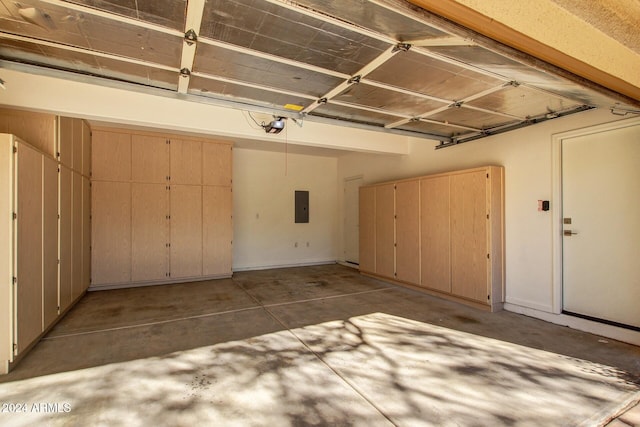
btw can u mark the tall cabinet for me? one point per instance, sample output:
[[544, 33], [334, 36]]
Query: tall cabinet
[[442, 233], [44, 224], [162, 208]]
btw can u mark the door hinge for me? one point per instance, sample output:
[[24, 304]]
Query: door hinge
[[487, 176], [488, 297], [15, 150], [15, 215], [15, 280], [15, 348], [487, 216], [487, 256]]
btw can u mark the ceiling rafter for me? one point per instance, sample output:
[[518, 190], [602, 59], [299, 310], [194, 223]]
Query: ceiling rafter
[[193, 22]]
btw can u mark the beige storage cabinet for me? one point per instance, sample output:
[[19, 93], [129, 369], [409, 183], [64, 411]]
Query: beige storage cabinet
[[161, 208], [442, 233], [45, 224]]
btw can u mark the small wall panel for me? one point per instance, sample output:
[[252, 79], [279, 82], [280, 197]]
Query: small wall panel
[[217, 230], [36, 129]]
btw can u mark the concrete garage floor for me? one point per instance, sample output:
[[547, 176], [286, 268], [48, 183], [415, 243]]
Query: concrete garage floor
[[314, 346]]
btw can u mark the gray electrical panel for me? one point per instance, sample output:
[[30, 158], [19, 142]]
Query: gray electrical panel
[[302, 206]]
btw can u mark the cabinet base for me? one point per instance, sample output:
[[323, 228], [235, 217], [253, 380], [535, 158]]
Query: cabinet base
[[109, 286], [493, 307]]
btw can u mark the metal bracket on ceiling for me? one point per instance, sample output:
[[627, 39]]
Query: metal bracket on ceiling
[[354, 79], [190, 37], [401, 47], [414, 119], [185, 72], [512, 83], [457, 104], [321, 101]]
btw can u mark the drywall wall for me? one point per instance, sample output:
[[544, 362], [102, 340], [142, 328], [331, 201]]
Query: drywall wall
[[265, 234], [526, 155]]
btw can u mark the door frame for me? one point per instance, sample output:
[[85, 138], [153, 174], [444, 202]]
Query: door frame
[[556, 198]]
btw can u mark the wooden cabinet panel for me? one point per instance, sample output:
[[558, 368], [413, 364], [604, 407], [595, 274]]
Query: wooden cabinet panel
[[111, 232], [216, 164], [186, 161], [7, 247], [217, 230], [186, 231], [29, 246], [408, 231], [65, 141], [86, 149], [76, 236], [385, 230], [367, 240], [435, 233], [65, 211], [86, 234], [36, 129], [469, 248], [149, 159], [149, 232], [50, 242], [77, 145], [111, 156]]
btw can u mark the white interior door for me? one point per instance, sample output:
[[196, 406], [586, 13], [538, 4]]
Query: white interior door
[[601, 220], [351, 220]]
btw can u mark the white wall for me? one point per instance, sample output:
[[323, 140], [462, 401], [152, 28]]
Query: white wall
[[265, 233], [526, 156]]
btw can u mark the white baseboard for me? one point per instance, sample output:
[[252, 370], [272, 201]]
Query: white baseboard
[[604, 330], [274, 266]]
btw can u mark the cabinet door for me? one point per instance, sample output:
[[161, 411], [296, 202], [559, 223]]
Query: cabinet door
[[216, 164], [50, 241], [186, 231], [408, 231], [149, 232], [469, 263], [65, 212], [28, 246], [186, 162], [367, 217], [76, 237], [385, 230], [86, 233], [86, 149], [435, 234], [149, 159], [77, 145], [217, 230], [111, 156], [111, 232], [65, 141]]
